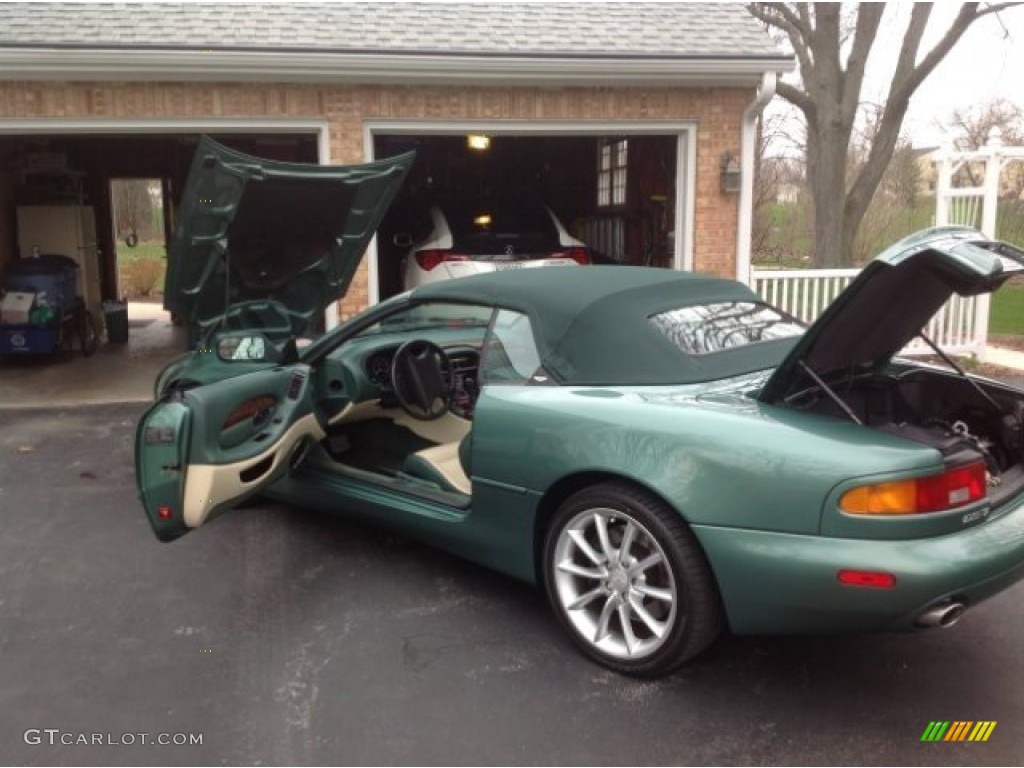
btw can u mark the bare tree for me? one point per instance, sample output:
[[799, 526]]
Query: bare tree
[[832, 52], [891, 212], [133, 206], [971, 127], [902, 175], [774, 178]]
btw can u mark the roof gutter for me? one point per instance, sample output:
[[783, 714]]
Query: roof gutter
[[748, 136], [177, 65]]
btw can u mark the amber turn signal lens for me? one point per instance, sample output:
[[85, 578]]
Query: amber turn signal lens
[[954, 488]]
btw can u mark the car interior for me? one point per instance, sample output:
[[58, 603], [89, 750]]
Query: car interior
[[399, 396]]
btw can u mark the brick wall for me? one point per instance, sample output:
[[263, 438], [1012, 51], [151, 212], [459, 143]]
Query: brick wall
[[717, 111]]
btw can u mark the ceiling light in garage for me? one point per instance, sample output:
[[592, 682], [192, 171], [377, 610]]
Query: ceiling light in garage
[[478, 141]]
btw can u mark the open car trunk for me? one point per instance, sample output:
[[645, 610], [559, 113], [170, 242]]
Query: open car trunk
[[939, 409], [843, 365]]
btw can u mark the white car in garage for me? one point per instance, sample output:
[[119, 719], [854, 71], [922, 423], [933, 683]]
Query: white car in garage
[[463, 238]]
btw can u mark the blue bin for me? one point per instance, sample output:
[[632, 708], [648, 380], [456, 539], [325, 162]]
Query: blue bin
[[27, 339], [54, 275]]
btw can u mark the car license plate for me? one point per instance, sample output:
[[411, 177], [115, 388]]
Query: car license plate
[[502, 265]]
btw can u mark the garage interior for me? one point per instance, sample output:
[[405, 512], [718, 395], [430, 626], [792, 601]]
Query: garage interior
[[56, 197], [615, 193], [42, 170]]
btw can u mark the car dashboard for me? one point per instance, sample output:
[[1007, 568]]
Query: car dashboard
[[464, 366], [360, 370]]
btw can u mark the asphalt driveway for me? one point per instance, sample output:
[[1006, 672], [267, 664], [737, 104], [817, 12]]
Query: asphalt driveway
[[283, 636]]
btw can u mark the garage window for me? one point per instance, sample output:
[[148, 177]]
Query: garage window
[[611, 172]]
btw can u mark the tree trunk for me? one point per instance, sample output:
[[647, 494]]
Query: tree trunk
[[829, 97], [827, 176]]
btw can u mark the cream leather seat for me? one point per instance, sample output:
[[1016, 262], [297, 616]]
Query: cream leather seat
[[444, 464]]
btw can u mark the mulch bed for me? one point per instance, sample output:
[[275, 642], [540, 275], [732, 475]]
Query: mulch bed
[[1007, 340]]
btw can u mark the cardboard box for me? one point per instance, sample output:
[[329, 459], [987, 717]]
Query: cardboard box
[[16, 306]]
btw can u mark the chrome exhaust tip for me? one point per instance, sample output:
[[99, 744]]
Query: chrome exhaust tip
[[942, 616]]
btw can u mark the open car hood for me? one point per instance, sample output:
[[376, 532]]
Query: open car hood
[[891, 301], [288, 236]]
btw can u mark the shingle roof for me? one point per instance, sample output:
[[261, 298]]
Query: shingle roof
[[614, 29]]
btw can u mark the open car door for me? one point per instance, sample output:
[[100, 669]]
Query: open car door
[[203, 451]]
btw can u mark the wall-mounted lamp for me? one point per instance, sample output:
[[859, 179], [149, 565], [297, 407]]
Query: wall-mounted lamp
[[478, 141], [731, 176]]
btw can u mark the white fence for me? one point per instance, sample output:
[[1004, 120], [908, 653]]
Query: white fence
[[960, 327]]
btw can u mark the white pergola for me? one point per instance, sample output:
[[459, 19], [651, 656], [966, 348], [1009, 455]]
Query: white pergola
[[959, 205]]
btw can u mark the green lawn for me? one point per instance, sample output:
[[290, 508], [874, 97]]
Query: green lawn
[[1007, 311], [126, 255]]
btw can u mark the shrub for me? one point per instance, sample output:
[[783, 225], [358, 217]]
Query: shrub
[[142, 278]]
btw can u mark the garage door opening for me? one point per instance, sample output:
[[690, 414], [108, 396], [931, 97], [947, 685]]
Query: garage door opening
[[59, 194], [616, 193]]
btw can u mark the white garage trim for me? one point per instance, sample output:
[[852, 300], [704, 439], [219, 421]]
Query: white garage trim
[[686, 161], [56, 126], [103, 125], [199, 65]]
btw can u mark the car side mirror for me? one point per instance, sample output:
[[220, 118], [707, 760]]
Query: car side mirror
[[246, 347], [290, 352], [402, 240]]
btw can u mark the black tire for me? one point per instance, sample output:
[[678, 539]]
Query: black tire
[[131, 240], [67, 334], [690, 621], [88, 337]]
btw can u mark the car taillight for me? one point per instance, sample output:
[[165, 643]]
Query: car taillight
[[431, 258], [935, 493], [579, 255]]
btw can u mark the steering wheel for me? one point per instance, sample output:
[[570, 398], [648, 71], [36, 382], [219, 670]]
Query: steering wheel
[[421, 379]]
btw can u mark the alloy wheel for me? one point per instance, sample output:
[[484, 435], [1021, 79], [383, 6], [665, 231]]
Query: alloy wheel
[[614, 584]]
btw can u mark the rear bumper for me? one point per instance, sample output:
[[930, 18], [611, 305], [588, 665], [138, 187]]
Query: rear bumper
[[784, 583]]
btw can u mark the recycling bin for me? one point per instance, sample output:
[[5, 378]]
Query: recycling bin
[[115, 315]]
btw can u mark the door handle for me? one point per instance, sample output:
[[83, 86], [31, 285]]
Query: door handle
[[260, 417]]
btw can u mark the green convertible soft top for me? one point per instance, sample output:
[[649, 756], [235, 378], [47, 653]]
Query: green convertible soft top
[[592, 324]]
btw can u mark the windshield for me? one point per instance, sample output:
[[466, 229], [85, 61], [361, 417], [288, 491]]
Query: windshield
[[425, 316]]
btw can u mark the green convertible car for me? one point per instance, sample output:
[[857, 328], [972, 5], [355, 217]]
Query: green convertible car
[[663, 453]]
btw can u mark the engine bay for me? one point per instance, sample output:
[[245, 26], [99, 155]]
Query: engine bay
[[963, 419]]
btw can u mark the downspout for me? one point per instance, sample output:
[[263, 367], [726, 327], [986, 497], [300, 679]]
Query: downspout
[[748, 135]]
